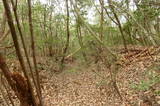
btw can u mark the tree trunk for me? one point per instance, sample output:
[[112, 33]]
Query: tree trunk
[[18, 84], [68, 35], [18, 52]]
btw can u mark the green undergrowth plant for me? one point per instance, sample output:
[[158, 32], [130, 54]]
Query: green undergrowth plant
[[144, 85], [71, 71]]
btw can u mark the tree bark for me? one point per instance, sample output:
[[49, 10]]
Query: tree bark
[[68, 35], [17, 47], [18, 84]]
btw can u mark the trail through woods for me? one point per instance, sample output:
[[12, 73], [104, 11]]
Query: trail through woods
[[89, 85]]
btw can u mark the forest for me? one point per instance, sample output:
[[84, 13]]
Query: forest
[[79, 52]]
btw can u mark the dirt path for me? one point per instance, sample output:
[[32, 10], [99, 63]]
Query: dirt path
[[76, 87], [79, 85]]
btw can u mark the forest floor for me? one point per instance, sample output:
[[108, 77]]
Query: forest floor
[[79, 84]]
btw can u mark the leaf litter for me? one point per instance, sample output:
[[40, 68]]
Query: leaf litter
[[89, 85]]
